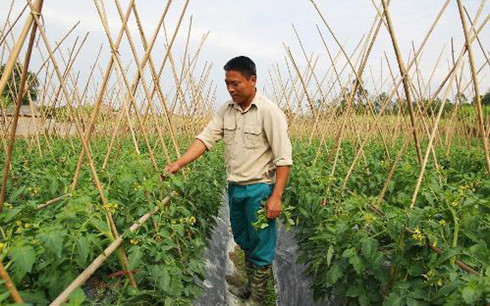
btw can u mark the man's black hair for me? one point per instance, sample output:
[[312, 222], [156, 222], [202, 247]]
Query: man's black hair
[[243, 64]]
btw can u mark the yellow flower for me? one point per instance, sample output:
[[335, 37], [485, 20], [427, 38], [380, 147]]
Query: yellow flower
[[111, 207], [440, 283], [442, 222], [418, 236], [174, 221], [192, 220], [2, 245], [134, 241], [369, 218], [429, 274], [18, 222], [27, 225]]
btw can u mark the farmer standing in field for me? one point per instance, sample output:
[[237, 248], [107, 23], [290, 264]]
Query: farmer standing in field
[[258, 160]]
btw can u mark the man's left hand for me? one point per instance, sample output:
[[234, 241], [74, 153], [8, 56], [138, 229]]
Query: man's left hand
[[273, 207]]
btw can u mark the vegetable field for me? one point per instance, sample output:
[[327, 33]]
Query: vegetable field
[[47, 247], [371, 250], [389, 192]]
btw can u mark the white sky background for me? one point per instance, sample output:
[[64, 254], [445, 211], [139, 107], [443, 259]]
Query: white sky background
[[258, 29]]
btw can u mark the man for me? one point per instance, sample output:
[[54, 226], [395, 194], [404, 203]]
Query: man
[[258, 160]]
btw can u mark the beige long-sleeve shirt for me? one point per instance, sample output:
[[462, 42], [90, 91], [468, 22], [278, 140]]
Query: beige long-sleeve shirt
[[256, 140]]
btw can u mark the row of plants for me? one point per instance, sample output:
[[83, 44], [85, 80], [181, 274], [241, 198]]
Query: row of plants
[[363, 251], [44, 250]]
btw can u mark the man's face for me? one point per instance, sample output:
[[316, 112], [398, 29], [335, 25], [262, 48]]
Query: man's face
[[240, 88]]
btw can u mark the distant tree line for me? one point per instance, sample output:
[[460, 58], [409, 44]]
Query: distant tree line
[[9, 94]]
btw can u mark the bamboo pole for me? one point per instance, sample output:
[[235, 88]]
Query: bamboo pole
[[131, 94], [476, 87], [153, 71], [156, 83], [42, 206], [403, 72], [77, 282], [20, 95], [357, 81], [18, 47], [431, 139], [100, 97], [10, 285], [485, 55], [5, 32], [84, 143], [323, 97], [395, 89]]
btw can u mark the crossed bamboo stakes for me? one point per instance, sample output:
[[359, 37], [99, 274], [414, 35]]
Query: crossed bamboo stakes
[[316, 102], [62, 86]]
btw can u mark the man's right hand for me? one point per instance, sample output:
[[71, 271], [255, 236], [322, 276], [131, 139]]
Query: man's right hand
[[196, 149], [173, 167]]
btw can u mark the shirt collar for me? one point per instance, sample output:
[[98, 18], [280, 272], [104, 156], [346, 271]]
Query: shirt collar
[[255, 101]]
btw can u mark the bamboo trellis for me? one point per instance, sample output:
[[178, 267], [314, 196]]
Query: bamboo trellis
[[425, 124], [126, 98], [143, 110]]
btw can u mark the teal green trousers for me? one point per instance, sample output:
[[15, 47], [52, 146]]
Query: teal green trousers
[[258, 245]]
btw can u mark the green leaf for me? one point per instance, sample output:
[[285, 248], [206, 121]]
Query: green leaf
[[176, 286], [356, 262], [329, 255], [394, 299], [354, 291], [23, 258], [447, 254], [77, 297], [135, 257], [4, 296], [36, 298], [334, 274], [165, 280], [83, 249], [16, 193], [470, 294], [412, 302], [53, 241], [10, 214], [369, 247], [364, 300], [348, 253]]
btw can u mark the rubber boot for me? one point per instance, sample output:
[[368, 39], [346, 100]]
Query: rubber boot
[[244, 291], [258, 284]]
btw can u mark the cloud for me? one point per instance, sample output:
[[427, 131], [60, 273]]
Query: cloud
[[259, 29]]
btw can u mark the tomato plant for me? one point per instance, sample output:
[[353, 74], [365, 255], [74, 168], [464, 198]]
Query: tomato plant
[[367, 251], [44, 250]]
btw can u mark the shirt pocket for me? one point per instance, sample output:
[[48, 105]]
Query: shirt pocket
[[229, 130], [252, 136]]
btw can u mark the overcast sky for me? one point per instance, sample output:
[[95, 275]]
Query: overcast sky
[[258, 29]]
